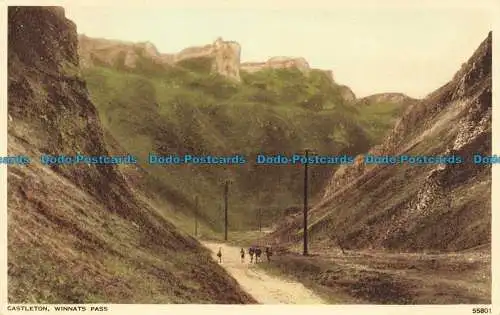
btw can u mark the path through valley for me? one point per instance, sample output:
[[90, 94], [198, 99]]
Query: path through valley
[[265, 288]]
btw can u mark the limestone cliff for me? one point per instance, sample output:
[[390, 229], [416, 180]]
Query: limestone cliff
[[225, 55], [277, 63], [94, 51], [224, 58]]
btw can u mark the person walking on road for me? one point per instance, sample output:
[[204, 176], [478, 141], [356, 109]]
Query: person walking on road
[[242, 254], [251, 251], [258, 252], [269, 253], [219, 254]]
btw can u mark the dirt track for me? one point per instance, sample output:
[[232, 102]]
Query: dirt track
[[264, 288]]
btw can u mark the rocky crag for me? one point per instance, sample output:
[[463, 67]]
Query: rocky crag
[[279, 63], [224, 57]]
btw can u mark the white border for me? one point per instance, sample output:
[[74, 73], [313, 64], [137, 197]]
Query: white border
[[153, 309], [495, 200], [264, 4], [132, 309], [3, 152]]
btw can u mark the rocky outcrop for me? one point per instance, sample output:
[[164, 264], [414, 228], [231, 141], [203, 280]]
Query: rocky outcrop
[[225, 55], [227, 58], [94, 51], [277, 63]]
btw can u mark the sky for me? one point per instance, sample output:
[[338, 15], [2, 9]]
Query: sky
[[408, 49]]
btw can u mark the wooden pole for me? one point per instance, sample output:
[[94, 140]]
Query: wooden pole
[[226, 190], [305, 253], [196, 217], [260, 220]]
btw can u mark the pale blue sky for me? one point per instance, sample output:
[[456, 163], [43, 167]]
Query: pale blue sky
[[413, 51]]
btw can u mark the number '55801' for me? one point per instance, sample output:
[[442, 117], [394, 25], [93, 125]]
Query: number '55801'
[[481, 310]]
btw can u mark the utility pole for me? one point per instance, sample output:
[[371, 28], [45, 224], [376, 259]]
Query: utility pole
[[305, 253], [226, 190], [260, 219], [221, 212], [196, 217]]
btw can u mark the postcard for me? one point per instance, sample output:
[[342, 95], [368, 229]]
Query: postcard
[[318, 156]]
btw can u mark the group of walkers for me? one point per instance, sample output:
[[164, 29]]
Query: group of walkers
[[254, 251], [257, 252]]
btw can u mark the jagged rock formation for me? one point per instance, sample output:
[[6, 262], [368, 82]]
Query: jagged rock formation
[[418, 207], [277, 63], [225, 55], [113, 52], [227, 58], [78, 233]]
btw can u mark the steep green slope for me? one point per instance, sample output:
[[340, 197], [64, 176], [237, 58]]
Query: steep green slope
[[186, 109], [380, 112], [378, 118]]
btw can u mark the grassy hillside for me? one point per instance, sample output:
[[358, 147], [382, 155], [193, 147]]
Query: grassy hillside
[[186, 109], [380, 117]]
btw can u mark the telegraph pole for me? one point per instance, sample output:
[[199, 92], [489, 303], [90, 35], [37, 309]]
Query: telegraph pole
[[226, 190], [260, 220], [305, 253], [196, 217]]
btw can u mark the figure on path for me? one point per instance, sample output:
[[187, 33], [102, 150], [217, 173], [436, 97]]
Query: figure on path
[[258, 252], [251, 251], [242, 254], [269, 253], [219, 254]]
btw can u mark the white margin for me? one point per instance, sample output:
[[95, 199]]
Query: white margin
[[132, 309]]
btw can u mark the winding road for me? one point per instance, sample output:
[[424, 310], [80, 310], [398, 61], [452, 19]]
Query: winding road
[[266, 289]]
